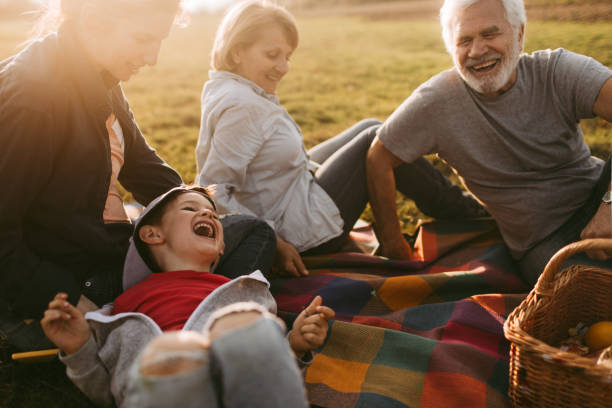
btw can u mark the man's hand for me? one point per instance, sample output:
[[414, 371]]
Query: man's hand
[[399, 249], [600, 226], [65, 325], [380, 163], [288, 260], [310, 327]]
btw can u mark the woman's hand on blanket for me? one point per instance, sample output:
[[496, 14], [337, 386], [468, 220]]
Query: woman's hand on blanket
[[65, 325], [310, 327], [288, 260]]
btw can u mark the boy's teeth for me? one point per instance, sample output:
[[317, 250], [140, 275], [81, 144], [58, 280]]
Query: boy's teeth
[[204, 230]]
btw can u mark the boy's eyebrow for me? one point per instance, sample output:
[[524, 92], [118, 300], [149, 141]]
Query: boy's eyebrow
[[195, 202]]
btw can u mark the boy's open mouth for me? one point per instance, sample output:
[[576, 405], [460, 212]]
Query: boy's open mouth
[[204, 229]]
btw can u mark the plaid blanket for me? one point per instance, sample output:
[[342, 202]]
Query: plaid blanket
[[420, 333]]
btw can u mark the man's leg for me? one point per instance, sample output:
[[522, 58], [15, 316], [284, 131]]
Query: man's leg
[[250, 244], [343, 177], [532, 263], [434, 194]]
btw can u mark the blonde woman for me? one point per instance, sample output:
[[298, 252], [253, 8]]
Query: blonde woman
[[253, 150], [68, 135]]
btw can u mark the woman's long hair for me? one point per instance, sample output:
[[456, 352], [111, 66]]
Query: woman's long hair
[[53, 13]]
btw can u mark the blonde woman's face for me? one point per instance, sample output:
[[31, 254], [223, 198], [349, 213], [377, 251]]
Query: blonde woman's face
[[266, 61], [131, 43]]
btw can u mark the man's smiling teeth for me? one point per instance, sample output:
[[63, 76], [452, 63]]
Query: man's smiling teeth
[[484, 65], [204, 229]]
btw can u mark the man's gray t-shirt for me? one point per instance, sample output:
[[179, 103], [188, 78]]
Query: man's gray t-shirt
[[522, 153]]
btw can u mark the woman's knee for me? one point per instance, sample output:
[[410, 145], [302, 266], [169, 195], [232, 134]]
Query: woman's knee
[[367, 123]]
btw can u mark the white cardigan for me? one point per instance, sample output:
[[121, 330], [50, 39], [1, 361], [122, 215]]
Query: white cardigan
[[253, 151]]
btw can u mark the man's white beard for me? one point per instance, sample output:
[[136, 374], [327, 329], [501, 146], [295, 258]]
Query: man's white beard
[[493, 83]]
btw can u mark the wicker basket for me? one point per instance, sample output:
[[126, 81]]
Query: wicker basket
[[541, 375]]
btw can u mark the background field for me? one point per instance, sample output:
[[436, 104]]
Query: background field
[[351, 64]]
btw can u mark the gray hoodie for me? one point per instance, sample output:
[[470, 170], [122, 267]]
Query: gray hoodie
[[101, 367]]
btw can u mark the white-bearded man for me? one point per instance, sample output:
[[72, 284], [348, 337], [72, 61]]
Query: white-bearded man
[[508, 123]]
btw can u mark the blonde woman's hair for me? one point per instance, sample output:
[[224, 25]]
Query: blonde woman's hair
[[241, 26], [55, 12]]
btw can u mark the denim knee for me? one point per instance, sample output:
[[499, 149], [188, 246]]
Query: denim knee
[[255, 367], [189, 389]]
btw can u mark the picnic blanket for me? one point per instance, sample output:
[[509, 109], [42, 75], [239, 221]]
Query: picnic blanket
[[427, 332]]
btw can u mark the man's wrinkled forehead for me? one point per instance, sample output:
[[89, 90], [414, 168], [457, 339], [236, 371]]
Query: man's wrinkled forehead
[[488, 16]]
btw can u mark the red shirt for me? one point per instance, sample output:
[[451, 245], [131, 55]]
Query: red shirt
[[169, 298]]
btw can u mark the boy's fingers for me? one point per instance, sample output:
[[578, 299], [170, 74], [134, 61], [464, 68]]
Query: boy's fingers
[[57, 304], [327, 313], [311, 309], [311, 328], [314, 340], [317, 320], [51, 315]]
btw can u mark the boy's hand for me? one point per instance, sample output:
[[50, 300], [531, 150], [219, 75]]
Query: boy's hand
[[310, 327], [64, 325]]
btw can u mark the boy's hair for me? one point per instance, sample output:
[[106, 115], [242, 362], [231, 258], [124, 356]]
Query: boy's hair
[[241, 27], [155, 214]]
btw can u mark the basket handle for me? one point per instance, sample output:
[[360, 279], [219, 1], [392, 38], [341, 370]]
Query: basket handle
[[566, 252]]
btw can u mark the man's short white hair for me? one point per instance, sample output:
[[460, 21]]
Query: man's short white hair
[[514, 10]]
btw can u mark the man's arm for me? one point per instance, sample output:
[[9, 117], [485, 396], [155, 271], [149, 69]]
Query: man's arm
[[600, 226], [380, 163], [603, 103]]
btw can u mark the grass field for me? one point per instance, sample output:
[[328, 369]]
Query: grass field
[[346, 69]]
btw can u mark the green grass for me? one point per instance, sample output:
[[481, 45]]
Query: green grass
[[345, 69]]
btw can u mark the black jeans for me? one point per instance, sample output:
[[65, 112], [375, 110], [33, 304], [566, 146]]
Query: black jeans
[[250, 245], [532, 263]]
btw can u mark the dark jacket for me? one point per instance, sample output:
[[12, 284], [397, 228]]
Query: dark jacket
[[55, 171]]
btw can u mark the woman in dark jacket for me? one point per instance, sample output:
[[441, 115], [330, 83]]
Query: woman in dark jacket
[[68, 136]]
